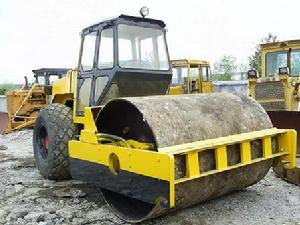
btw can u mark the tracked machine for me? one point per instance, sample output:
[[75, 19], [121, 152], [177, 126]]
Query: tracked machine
[[277, 90], [110, 123], [23, 104]]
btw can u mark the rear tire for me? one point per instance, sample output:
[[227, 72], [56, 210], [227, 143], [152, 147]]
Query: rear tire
[[53, 129]]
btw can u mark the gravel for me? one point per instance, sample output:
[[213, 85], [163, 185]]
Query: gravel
[[27, 198]]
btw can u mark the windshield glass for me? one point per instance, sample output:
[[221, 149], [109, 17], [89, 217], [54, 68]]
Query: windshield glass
[[179, 75], [141, 47], [194, 71], [41, 80], [275, 60], [295, 62], [205, 73]]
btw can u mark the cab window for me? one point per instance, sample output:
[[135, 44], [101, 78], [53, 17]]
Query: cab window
[[88, 51], [106, 49], [205, 73], [194, 72], [84, 94], [179, 75], [142, 48], [100, 84], [275, 60], [295, 62], [41, 80]]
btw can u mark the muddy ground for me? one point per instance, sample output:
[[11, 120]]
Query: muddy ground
[[26, 198]]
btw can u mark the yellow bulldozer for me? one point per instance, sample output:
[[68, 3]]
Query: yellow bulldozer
[[277, 90], [112, 124], [190, 76], [23, 104]]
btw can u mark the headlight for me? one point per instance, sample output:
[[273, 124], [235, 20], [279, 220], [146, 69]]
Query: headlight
[[284, 71], [252, 74]]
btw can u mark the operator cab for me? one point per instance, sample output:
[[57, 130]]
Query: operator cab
[[122, 57], [281, 58], [46, 76], [190, 76]]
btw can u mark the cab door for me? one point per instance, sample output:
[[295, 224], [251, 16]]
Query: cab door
[[206, 83], [86, 70], [179, 81], [104, 65]]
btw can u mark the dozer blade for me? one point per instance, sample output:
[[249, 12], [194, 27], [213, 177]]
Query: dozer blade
[[3, 121], [199, 147], [290, 120]]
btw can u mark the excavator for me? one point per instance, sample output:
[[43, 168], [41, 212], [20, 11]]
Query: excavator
[[112, 123], [277, 90]]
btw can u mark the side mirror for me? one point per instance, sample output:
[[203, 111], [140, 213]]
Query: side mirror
[[252, 74], [283, 71]]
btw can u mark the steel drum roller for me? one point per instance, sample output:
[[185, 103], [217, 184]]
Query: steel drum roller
[[171, 120]]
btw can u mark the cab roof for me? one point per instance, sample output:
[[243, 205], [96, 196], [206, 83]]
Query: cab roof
[[125, 19], [52, 71], [281, 44], [184, 62]]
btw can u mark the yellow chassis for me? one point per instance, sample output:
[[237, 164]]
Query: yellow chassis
[[161, 164]]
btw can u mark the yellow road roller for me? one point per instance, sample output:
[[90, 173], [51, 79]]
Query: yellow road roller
[[110, 123]]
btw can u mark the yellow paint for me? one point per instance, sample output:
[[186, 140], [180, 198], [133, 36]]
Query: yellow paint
[[172, 181], [176, 90], [245, 152], [288, 143], [221, 141], [212, 172], [157, 164], [267, 147], [161, 164], [64, 86], [192, 164], [221, 157]]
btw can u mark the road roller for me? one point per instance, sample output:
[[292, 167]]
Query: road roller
[[277, 90], [111, 123]]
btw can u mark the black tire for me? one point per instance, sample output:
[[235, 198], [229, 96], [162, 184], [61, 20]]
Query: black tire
[[53, 129]]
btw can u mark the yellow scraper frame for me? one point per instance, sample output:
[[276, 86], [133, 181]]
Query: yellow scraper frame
[[161, 164]]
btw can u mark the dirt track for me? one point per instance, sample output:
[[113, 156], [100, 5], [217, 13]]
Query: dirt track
[[26, 198]]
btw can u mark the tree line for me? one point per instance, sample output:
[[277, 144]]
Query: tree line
[[7, 87], [226, 68]]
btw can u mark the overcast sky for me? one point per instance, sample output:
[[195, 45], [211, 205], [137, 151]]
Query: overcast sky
[[45, 33]]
